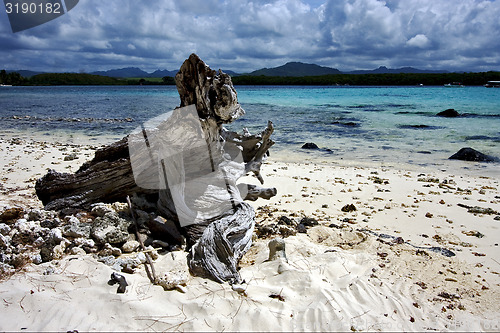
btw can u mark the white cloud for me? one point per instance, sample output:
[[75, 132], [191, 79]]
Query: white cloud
[[420, 41], [249, 34]]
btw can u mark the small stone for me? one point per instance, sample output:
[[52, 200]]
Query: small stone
[[277, 249], [4, 229], [36, 259], [55, 236], [173, 280], [78, 251], [428, 215], [110, 250], [71, 157], [4, 242], [35, 215], [301, 228], [58, 252], [101, 209], [130, 246], [309, 221]]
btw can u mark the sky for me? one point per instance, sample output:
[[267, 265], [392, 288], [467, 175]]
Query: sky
[[246, 35]]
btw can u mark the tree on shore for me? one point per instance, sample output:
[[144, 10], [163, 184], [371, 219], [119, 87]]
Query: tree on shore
[[12, 78]]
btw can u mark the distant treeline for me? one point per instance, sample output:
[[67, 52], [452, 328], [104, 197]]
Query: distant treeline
[[402, 79], [11, 78], [62, 79]]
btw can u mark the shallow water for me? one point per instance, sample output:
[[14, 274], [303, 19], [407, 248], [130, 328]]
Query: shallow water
[[381, 125]]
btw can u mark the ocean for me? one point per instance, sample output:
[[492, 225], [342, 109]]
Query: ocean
[[351, 125]]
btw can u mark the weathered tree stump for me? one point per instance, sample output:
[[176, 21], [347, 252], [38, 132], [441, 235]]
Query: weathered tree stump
[[220, 233]]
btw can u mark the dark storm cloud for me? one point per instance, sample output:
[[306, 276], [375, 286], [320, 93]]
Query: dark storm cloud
[[246, 35]]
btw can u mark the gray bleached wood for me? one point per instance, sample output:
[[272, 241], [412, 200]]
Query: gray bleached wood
[[218, 242]]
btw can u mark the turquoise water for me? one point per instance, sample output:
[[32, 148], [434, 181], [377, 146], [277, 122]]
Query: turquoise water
[[366, 124]]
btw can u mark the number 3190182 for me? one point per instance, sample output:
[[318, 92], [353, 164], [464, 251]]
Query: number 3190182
[[33, 8]]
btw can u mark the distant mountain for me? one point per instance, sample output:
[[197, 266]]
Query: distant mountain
[[123, 72], [25, 73], [296, 69], [385, 70], [302, 69], [134, 72], [163, 73]]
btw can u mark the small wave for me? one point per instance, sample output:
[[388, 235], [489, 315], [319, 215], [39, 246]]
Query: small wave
[[70, 120], [482, 138], [475, 115]]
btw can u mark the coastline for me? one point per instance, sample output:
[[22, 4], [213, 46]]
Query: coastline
[[338, 276]]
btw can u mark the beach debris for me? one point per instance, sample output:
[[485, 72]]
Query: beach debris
[[436, 249], [449, 296], [120, 279], [278, 296], [478, 210], [349, 208], [474, 233], [421, 284], [277, 249], [448, 113], [470, 154], [309, 145], [255, 192]]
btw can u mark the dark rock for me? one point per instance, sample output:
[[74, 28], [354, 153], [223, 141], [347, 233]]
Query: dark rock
[[309, 221], [285, 220], [470, 154], [346, 124], [349, 208], [165, 230], [420, 126], [46, 253], [310, 145], [53, 223], [301, 228], [449, 113]]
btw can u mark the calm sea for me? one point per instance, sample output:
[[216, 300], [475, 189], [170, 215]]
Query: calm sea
[[384, 125]]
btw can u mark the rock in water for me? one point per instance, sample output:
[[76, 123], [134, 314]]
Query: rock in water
[[448, 113], [470, 154], [310, 145]]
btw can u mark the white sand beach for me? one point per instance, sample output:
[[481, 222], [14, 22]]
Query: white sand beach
[[376, 266]]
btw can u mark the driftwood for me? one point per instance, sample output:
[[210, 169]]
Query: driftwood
[[190, 181]]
